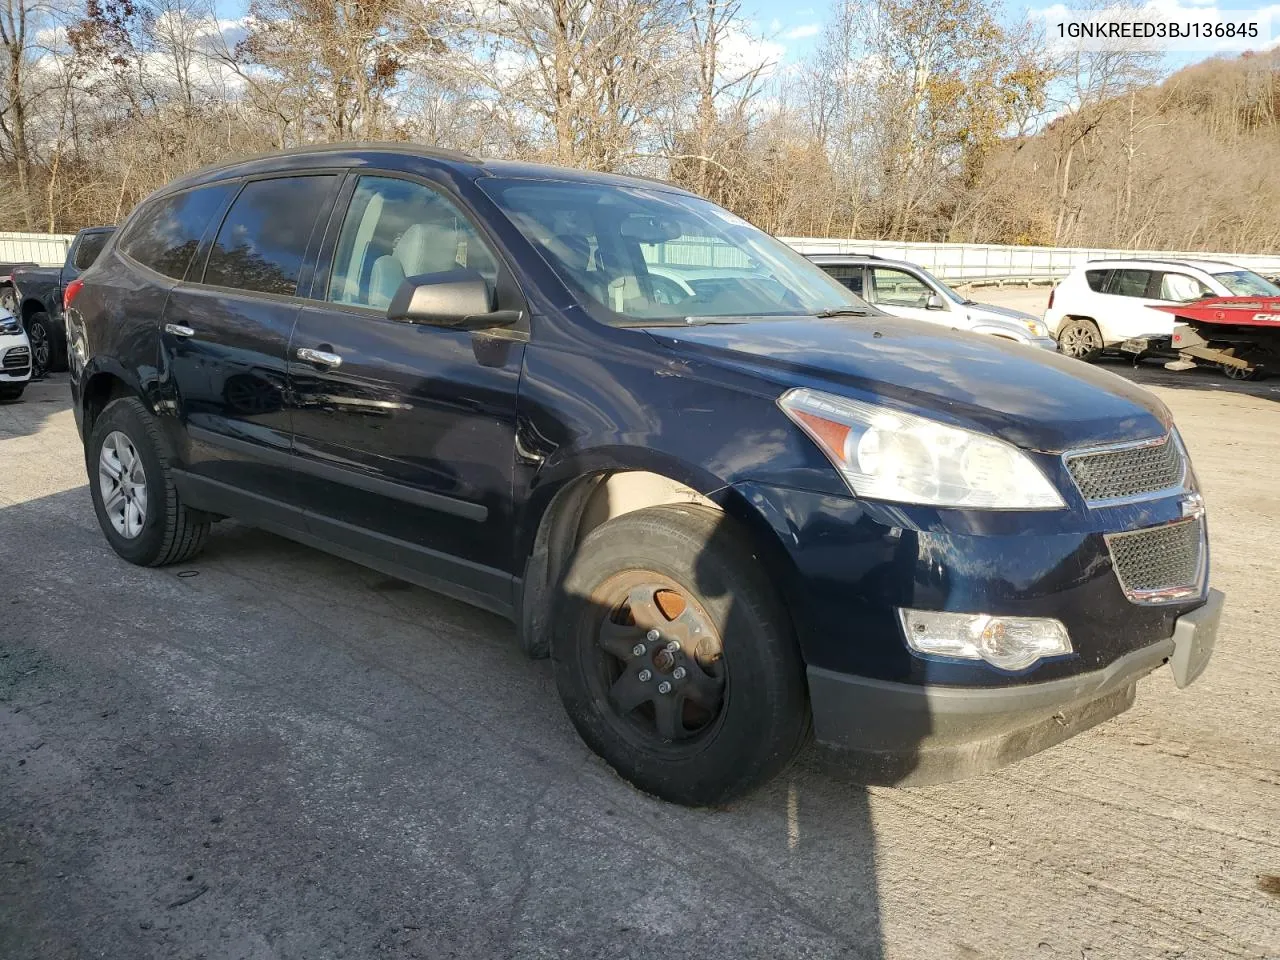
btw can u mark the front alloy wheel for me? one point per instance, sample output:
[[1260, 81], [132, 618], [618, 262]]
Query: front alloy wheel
[[123, 484]]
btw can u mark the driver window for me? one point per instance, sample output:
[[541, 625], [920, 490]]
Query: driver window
[[1181, 288], [396, 229], [898, 288]]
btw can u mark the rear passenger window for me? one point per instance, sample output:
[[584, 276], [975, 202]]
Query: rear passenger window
[[263, 238], [1097, 279], [851, 277], [165, 234], [1129, 283]]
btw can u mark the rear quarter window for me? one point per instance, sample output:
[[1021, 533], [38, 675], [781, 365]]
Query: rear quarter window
[[164, 235], [1097, 279]]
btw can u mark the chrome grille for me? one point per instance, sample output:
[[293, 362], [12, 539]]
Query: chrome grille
[[16, 358], [1160, 564], [1128, 471]]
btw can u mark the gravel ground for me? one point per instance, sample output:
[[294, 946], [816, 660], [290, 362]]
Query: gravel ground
[[273, 753]]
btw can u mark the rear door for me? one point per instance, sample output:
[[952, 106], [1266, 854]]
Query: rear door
[[1131, 294], [226, 333], [405, 433]]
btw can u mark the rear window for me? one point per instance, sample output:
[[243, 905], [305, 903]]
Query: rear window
[[1097, 279], [165, 234], [88, 250], [263, 238]]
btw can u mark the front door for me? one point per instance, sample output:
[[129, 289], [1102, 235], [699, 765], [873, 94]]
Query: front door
[[902, 294], [405, 433], [225, 335]]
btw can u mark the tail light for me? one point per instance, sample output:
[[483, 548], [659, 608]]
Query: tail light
[[70, 293], [1051, 293]]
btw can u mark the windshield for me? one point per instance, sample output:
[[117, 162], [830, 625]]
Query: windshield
[[943, 287], [639, 255], [1246, 283]]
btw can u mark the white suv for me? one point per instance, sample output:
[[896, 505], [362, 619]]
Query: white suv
[[15, 357], [1109, 304]]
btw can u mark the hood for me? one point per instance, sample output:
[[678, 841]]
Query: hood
[[1032, 398], [1000, 313]]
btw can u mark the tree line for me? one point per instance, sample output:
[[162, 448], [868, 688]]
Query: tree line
[[910, 119]]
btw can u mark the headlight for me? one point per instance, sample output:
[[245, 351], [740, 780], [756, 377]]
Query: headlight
[[886, 455], [10, 325], [1036, 327]]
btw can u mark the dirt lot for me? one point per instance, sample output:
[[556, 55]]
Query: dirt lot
[[273, 753]]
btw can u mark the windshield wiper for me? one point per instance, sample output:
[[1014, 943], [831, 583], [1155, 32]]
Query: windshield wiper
[[841, 312]]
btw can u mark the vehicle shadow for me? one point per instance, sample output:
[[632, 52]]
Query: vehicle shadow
[[349, 763], [1151, 373]]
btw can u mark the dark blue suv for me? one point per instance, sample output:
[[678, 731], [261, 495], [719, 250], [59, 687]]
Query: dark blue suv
[[734, 503]]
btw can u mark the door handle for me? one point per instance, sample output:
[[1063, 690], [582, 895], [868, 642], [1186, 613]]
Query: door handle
[[178, 330], [319, 357]]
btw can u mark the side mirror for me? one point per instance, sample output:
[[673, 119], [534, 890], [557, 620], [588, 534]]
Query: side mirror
[[934, 303], [460, 299]]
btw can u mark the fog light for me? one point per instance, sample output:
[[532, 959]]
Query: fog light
[[1010, 643]]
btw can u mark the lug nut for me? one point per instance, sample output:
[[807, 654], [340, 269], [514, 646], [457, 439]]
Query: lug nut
[[645, 676], [638, 650], [652, 636], [673, 646], [678, 673], [664, 687]]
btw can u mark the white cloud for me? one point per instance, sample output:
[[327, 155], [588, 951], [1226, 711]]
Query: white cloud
[[806, 30]]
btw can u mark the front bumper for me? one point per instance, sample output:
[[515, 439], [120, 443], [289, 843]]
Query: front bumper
[[913, 734]]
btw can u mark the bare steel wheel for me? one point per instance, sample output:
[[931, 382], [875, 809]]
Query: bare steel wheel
[[657, 659], [123, 483], [1080, 339], [675, 658]]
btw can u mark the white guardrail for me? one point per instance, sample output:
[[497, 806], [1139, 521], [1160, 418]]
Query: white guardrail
[[46, 249], [957, 262], [953, 262]]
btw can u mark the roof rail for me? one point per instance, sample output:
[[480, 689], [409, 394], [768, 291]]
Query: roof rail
[[1181, 262]]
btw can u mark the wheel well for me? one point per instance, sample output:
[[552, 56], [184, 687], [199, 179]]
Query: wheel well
[[30, 308], [575, 511], [101, 389]]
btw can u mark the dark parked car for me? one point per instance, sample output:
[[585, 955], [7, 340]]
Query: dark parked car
[[38, 293], [731, 512]]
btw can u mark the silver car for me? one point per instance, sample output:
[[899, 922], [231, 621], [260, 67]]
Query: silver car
[[903, 289]]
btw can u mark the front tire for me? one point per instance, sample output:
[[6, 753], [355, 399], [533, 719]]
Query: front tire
[[674, 656], [138, 507], [1080, 339]]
